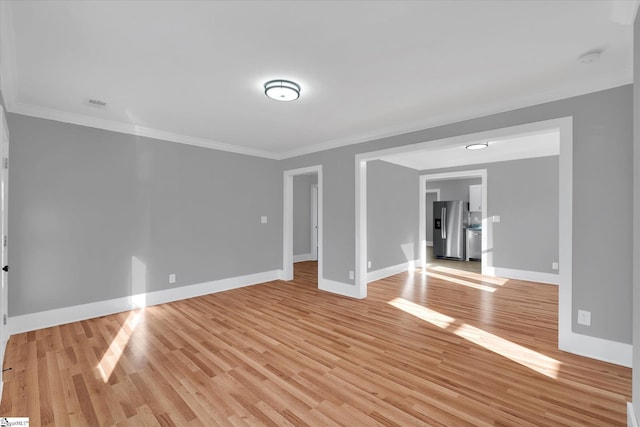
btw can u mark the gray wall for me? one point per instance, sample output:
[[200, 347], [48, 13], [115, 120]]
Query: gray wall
[[636, 216], [392, 223], [525, 194], [86, 204], [602, 164], [301, 214]]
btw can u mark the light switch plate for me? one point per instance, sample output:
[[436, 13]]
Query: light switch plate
[[496, 218], [263, 219], [172, 278]]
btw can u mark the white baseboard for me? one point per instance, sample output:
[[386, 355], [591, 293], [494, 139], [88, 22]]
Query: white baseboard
[[340, 288], [598, 348], [531, 276], [45, 319], [372, 276], [632, 420], [302, 257]]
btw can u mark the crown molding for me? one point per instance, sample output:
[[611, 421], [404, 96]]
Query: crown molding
[[132, 129], [443, 120], [468, 114]]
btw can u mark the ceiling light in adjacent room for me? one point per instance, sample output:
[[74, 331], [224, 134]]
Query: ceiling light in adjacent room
[[478, 146], [282, 90]]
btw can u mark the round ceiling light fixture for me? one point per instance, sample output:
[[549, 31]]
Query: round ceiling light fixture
[[282, 90], [478, 146]]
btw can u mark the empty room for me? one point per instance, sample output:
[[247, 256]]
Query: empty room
[[321, 213]]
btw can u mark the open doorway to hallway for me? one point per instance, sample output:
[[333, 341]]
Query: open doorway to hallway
[[302, 226], [305, 227]]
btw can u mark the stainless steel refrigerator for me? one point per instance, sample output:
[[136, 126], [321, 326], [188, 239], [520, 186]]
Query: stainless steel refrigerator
[[449, 222]]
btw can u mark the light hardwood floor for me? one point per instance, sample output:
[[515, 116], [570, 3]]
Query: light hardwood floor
[[448, 349], [472, 266]]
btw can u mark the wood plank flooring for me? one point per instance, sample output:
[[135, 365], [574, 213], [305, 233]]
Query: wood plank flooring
[[450, 348]]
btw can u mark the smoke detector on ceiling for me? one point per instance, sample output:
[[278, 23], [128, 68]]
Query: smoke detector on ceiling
[[590, 57], [96, 103]]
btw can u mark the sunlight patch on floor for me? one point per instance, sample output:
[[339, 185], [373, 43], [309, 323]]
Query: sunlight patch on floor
[[461, 282], [498, 281], [118, 344], [538, 362]]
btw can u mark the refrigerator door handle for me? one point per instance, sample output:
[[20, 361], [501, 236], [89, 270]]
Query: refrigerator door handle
[[444, 223]]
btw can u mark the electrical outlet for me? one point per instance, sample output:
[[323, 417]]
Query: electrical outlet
[[172, 278], [584, 317], [369, 264], [554, 265], [351, 275], [263, 219]]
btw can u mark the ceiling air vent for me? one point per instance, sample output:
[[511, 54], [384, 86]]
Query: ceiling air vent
[[97, 103]]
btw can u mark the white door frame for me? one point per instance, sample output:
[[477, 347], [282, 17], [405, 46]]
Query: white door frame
[[567, 339], [487, 258], [287, 228], [4, 284], [314, 222], [424, 231]]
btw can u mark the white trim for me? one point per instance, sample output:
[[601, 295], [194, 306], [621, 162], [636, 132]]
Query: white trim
[[302, 257], [340, 288], [314, 222], [530, 276], [287, 220], [429, 243], [487, 258], [383, 273], [598, 348], [45, 319], [566, 336], [632, 420], [361, 225], [132, 129]]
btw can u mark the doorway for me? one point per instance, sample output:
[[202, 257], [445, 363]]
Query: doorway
[[314, 221], [454, 186], [306, 183], [567, 339], [425, 224]]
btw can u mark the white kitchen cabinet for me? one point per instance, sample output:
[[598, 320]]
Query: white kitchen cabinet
[[475, 198]]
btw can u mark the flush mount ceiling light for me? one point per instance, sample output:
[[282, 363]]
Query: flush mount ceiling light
[[282, 90], [478, 146]]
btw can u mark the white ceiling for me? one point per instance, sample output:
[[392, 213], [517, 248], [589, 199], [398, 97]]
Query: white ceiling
[[192, 71], [539, 144]]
